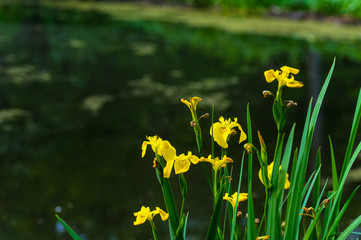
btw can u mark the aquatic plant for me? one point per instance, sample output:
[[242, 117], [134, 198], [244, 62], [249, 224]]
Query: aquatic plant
[[288, 212]]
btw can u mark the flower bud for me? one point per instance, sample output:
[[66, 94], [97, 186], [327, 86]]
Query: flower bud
[[267, 93], [205, 116], [155, 163], [263, 149], [248, 147], [325, 202], [291, 103]]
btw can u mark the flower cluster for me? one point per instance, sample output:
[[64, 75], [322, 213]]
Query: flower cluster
[[166, 159]]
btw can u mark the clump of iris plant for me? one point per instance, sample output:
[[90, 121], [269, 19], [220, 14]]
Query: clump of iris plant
[[288, 211]]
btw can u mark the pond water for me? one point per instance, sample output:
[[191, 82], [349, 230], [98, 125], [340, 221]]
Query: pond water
[[79, 92]]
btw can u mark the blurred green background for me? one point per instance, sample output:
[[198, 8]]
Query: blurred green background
[[83, 83]]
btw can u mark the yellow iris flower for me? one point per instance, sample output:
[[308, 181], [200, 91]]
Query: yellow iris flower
[[181, 163], [160, 147], [192, 104], [283, 77], [216, 163], [145, 214], [223, 129], [233, 199], [269, 171]]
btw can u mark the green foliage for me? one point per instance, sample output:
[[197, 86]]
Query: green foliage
[[71, 232], [321, 220]]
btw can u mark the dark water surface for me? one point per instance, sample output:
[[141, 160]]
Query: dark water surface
[[79, 92]]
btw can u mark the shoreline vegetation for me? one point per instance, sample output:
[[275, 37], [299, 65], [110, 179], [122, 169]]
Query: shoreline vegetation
[[306, 29]]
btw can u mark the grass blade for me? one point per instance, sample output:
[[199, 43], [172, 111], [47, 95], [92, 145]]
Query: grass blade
[[334, 169], [251, 230], [71, 232], [316, 189], [292, 227], [355, 123], [213, 225], [342, 182], [238, 191], [350, 228], [339, 216]]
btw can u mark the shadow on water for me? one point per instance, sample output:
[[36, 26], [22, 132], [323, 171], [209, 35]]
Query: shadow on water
[[79, 92]]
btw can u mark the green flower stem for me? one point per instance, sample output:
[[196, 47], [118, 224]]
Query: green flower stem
[[215, 189], [168, 196], [224, 152], [183, 186], [154, 230], [279, 111], [264, 216], [198, 132], [279, 135]]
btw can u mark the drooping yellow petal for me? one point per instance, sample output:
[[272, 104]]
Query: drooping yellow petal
[[220, 134], [181, 164], [194, 159], [270, 75], [293, 83], [167, 151], [243, 135], [144, 148], [168, 168], [162, 213]]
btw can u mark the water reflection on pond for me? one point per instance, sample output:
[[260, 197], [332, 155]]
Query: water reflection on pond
[[78, 97]]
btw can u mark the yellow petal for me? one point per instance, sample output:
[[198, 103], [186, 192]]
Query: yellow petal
[[194, 102], [221, 163], [287, 183], [290, 69], [220, 134], [226, 196], [144, 148], [186, 103], [243, 135], [167, 151], [294, 84], [270, 75], [194, 159], [260, 175], [162, 214], [142, 215], [168, 168], [181, 164], [241, 197]]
